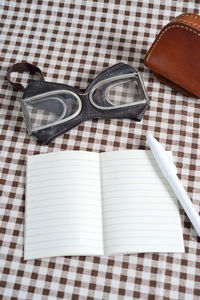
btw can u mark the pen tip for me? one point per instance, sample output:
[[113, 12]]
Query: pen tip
[[149, 135]]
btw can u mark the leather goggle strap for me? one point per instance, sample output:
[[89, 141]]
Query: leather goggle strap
[[21, 68]]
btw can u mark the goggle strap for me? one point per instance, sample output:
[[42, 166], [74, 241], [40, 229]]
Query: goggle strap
[[21, 68]]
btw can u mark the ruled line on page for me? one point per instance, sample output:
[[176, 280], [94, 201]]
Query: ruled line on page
[[64, 224], [133, 161], [145, 237], [58, 167], [139, 230], [61, 209], [63, 231], [144, 203], [143, 243], [66, 239], [143, 216], [71, 246], [114, 190], [66, 163], [151, 175], [62, 191], [97, 206], [133, 184], [42, 199], [92, 218], [47, 186], [95, 247], [60, 176], [68, 160], [137, 221], [132, 198], [137, 210]]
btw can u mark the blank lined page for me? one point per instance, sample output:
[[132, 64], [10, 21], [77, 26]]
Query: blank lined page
[[63, 213], [140, 211]]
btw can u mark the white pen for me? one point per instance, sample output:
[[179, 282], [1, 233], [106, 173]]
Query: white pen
[[169, 171]]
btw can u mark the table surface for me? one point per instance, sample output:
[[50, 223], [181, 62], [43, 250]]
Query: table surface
[[72, 43]]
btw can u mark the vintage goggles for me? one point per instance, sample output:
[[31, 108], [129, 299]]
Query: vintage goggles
[[51, 109]]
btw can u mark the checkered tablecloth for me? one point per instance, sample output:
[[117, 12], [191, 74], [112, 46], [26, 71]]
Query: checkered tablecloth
[[72, 42]]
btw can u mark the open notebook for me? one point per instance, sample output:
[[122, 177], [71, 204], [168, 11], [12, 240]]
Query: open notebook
[[86, 203]]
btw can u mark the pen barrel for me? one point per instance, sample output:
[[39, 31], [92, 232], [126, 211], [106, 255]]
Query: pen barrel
[[185, 202]]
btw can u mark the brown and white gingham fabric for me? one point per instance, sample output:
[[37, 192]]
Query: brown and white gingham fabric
[[73, 41]]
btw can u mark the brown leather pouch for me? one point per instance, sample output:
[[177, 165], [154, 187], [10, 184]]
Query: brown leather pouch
[[174, 57]]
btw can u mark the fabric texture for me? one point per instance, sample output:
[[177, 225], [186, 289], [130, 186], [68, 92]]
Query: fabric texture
[[72, 42]]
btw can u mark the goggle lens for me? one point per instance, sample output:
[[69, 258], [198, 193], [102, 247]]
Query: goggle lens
[[50, 108], [124, 91]]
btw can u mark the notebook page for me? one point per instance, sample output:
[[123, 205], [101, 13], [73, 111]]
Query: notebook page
[[63, 205], [140, 211]]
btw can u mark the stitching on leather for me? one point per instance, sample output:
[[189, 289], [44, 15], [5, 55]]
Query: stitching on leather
[[191, 23], [197, 26], [188, 15], [173, 26]]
